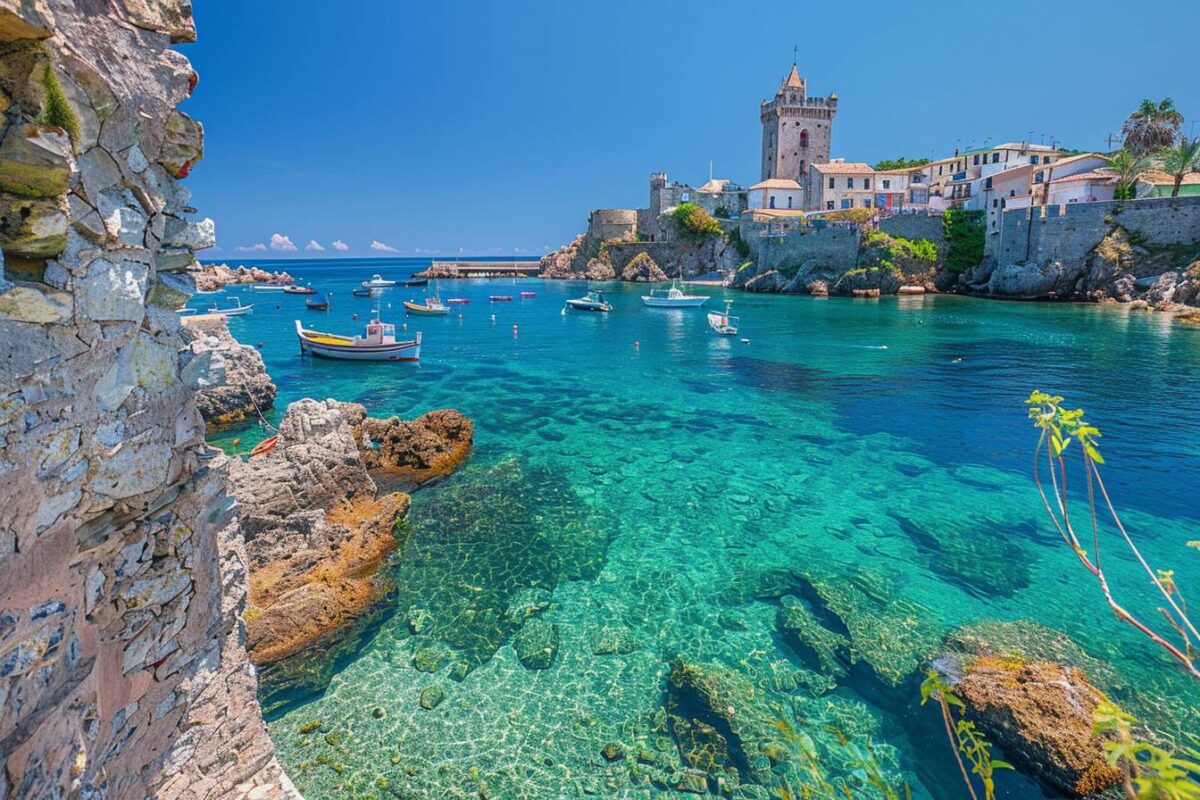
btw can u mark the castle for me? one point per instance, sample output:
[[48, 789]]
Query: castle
[[797, 130]]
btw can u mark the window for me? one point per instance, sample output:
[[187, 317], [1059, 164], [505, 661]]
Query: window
[[847, 204], [803, 165], [1033, 159], [995, 203], [976, 159], [939, 170], [771, 202], [829, 205], [789, 201], [867, 202], [803, 137], [995, 158], [1047, 160], [887, 184], [866, 183], [831, 180], [849, 183]]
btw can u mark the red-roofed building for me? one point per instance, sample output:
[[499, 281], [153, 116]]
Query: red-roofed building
[[839, 184]]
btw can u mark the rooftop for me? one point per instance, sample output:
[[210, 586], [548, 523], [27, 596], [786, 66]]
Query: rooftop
[[1093, 175], [776, 183], [1159, 178], [844, 168]]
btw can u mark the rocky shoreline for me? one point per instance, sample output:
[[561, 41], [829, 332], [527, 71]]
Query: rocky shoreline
[[230, 378], [211, 277]]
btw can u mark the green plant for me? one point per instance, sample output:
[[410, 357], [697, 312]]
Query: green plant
[[57, 111], [1152, 127], [694, 224], [965, 232], [965, 739], [901, 163], [1060, 427], [1150, 772], [740, 245], [1127, 167], [1180, 159]]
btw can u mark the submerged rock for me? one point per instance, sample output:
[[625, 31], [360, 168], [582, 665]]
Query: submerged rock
[[822, 648], [614, 640], [432, 696], [537, 644]]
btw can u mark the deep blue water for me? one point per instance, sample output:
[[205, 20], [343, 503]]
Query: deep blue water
[[649, 476]]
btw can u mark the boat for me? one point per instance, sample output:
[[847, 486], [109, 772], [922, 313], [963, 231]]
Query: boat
[[911, 290], [500, 298], [724, 324], [297, 289], [527, 295], [417, 282], [592, 301], [236, 310], [378, 280], [317, 305], [379, 344], [365, 291], [433, 307], [185, 311], [266, 287], [673, 298], [457, 301], [265, 446]]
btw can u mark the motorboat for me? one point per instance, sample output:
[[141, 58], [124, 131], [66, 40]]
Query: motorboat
[[317, 305], [367, 291], [237, 309], [457, 301], [378, 344], [592, 301], [528, 295], [298, 289], [433, 307], [414, 281], [377, 280], [266, 287], [723, 323], [673, 298], [500, 298]]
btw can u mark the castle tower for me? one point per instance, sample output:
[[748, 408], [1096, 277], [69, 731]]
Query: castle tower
[[797, 130]]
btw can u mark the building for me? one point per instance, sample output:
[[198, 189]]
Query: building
[[1053, 182], [957, 179], [1161, 184], [841, 184], [724, 199], [797, 130], [777, 193]]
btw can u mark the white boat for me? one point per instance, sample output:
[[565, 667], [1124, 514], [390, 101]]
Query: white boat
[[592, 301], [236, 310], [673, 298], [266, 287], [377, 280], [724, 324], [378, 344], [433, 307]]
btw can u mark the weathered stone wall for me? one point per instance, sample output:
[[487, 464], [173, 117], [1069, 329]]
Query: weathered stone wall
[[612, 223], [917, 226], [122, 671], [833, 248]]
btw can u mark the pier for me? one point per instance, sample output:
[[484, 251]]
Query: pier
[[481, 269]]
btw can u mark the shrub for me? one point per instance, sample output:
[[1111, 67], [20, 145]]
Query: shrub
[[694, 224], [965, 232], [740, 246], [856, 215], [57, 111], [901, 163]]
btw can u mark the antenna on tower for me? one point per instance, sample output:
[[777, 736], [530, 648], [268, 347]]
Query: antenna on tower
[[710, 169], [795, 53]]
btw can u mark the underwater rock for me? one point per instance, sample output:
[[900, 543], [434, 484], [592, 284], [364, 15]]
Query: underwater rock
[[430, 659], [1040, 715], [714, 718], [612, 752], [822, 648], [614, 640], [432, 696], [537, 644], [958, 550], [526, 603]]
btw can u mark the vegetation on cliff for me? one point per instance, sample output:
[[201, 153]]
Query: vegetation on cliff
[[57, 111], [965, 233], [694, 224]]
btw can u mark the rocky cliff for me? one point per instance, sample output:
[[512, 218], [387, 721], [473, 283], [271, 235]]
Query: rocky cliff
[[122, 576], [231, 379]]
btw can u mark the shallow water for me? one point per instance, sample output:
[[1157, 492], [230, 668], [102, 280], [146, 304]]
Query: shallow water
[[657, 491]]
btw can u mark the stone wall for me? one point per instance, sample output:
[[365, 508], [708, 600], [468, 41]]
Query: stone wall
[[917, 226], [833, 248], [122, 671], [612, 223]]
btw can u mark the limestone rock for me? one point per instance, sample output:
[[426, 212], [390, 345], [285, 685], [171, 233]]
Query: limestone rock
[[114, 290], [643, 269], [191, 235], [561, 263], [599, 270], [35, 160], [537, 644], [431, 446], [172, 17], [432, 696], [242, 388], [32, 227], [183, 144], [30, 304]]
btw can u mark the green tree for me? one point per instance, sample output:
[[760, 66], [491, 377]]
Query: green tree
[[1128, 169], [965, 233], [694, 224], [901, 163], [1152, 127], [1180, 159]]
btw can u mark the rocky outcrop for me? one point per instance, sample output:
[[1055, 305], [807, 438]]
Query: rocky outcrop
[[564, 263], [230, 378], [122, 670], [211, 277], [642, 269], [315, 524]]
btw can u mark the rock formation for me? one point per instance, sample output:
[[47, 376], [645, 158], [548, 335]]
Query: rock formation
[[314, 522], [122, 673], [232, 381], [643, 269], [562, 262], [210, 277]]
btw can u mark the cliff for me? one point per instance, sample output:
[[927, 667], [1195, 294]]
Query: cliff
[[122, 574], [232, 381]]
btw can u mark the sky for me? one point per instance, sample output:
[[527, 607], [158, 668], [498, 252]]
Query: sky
[[450, 128]]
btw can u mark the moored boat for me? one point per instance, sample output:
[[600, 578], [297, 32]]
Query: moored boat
[[296, 288], [433, 307], [414, 281], [378, 280], [723, 323], [911, 290], [592, 301], [500, 298], [317, 305], [266, 287], [367, 291], [457, 301], [378, 344], [237, 309], [673, 298], [527, 295]]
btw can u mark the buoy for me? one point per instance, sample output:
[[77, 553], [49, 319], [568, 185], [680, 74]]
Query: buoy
[[277, 306], [493, 317], [404, 326], [637, 345], [355, 316], [259, 345], [236, 442]]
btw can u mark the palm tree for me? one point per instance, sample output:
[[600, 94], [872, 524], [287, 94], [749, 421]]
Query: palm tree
[[1152, 127], [1128, 168], [1180, 159]]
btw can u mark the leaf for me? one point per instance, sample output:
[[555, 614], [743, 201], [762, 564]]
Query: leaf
[[998, 764]]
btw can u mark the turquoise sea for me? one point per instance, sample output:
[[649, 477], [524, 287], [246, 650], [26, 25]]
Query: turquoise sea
[[644, 490]]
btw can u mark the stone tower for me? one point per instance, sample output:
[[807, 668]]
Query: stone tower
[[797, 130]]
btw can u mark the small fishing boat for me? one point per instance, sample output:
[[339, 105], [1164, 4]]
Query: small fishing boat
[[527, 295], [500, 298], [184, 311], [317, 305], [457, 301], [724, 324], [266, 287], [911, 290], [367, 291], [377, 280], [414, 281], [237, 309], [298, 289], [265, 446], [433, 307], [673, 298], [592, 301], [379, 344]]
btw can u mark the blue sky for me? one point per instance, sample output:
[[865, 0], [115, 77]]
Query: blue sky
[[493, 128]]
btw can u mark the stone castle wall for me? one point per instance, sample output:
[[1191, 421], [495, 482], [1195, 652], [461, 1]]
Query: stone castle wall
[[612, 223], [1070, 236], [122, 579], [916, 226], [832, 248]]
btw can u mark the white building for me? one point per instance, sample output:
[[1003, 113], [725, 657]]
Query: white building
[[776, 193]]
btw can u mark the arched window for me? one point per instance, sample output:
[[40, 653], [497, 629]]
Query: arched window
[[804, 138]]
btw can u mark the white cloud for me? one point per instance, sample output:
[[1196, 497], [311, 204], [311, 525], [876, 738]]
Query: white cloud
[[281, 242], [250, 248], [338, 244], [383, 248], [313, 244]]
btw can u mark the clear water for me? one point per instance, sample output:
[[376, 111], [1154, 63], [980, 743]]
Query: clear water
[[654, 482]]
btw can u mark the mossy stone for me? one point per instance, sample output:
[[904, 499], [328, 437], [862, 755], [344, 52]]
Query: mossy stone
[[432, 696]]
